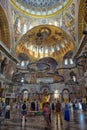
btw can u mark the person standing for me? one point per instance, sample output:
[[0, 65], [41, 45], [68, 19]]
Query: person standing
[[37, 106], [49, 111], [58, 112], [3, 108], [53, 106], [63, 107], [7, 111], [46, 112], [24, 109], [67, 113], [0, 108]]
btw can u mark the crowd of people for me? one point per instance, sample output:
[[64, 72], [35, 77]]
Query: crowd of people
[[62, 110]]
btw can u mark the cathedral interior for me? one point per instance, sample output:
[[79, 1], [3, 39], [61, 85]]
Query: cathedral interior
[[43, 50], [43, 47]]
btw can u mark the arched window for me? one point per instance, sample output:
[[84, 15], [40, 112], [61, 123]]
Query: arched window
[[68, 60]]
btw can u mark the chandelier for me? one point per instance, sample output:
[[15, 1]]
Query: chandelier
[[81, 61]]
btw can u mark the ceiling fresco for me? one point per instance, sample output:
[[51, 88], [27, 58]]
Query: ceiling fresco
[[40, 8], [45, 41], [21, 28], [65, 20], [43, 36]]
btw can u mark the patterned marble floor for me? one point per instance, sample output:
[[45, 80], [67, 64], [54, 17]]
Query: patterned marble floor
[[78, 121]]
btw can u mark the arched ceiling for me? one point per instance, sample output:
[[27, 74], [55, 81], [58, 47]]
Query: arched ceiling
[[4, 29], [45, 41], [40, 8]]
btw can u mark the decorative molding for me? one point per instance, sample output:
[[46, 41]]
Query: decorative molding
[[7, 53]]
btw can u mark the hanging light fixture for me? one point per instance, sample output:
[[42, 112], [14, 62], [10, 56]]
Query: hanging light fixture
[[81, 61]]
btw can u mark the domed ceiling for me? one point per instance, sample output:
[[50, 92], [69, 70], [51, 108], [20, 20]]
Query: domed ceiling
[[40, 7], [45, 41], [44, 46]]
